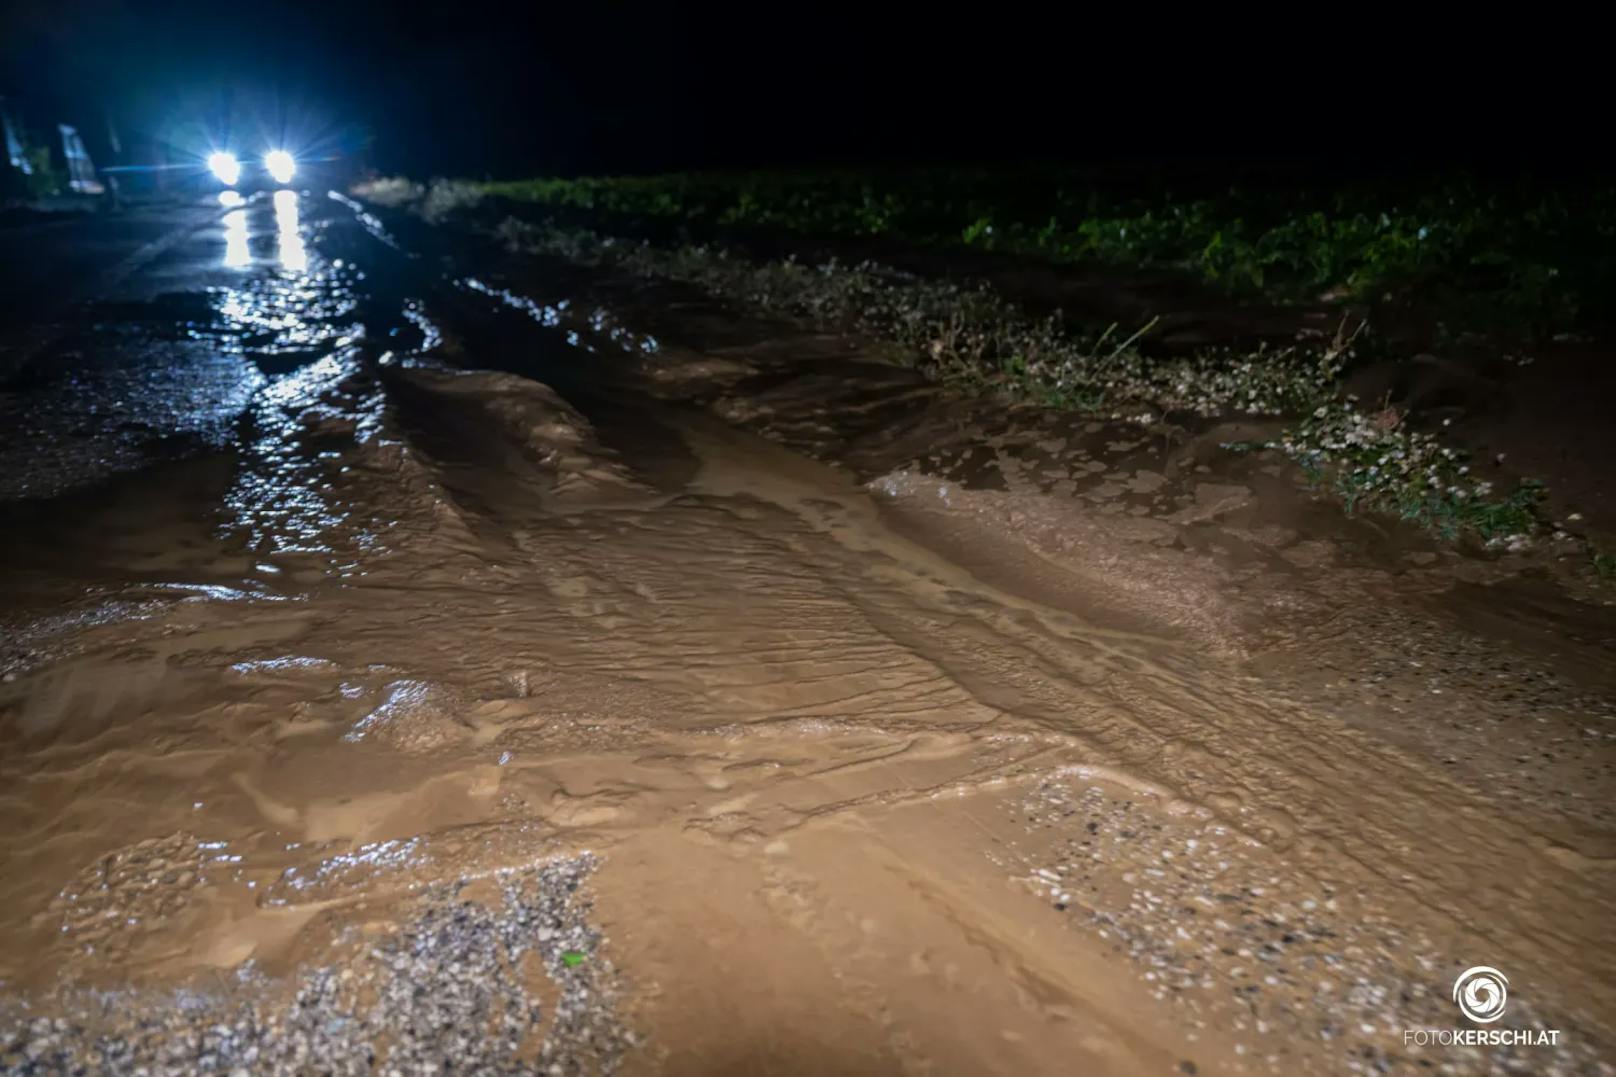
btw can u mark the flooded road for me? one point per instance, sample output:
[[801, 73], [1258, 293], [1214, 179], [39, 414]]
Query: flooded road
[[413, 657]]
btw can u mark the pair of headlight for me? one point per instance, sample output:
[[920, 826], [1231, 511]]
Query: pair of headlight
[[280, 165]]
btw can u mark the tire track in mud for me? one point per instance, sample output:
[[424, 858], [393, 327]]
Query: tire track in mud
[[1276, 771], [1177, 713], [1387, 854], [1174, 713]]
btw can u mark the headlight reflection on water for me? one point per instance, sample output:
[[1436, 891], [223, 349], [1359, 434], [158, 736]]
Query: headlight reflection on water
[[291, 252], [236, 254], [293, 255]]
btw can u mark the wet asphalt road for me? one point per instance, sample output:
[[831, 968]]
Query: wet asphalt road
[[144, 335], [56, 263]]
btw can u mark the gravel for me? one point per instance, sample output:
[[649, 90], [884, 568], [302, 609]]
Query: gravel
[[455, 986]]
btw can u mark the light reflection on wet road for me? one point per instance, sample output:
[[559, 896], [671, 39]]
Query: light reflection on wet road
[[139, 379], [244, 232], [293, 254], [236, 255]]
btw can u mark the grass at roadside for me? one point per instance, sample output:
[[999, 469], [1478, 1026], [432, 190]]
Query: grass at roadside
[[1530, 260], [971, 336]]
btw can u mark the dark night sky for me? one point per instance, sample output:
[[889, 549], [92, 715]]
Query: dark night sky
[[591, 87]]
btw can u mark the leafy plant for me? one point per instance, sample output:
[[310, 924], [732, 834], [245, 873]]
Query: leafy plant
[[1520, 259]]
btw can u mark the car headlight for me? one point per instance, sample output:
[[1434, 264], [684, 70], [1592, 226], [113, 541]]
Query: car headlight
[[225, 166], [280, 166]]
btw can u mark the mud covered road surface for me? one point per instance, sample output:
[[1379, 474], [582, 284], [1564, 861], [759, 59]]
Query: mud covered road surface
[[420, 660]]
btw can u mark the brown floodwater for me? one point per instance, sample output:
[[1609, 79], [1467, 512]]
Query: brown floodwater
[[894, 732]]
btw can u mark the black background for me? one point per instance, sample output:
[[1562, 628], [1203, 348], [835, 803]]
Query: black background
[[499, 90]]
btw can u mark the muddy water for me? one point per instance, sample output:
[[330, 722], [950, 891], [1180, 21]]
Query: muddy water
[[634, 684]]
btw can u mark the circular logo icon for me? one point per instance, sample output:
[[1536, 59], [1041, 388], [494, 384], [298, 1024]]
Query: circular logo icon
[[1481, 992]]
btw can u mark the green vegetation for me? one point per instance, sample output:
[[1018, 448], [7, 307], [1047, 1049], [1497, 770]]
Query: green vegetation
[[971, 336], [1371, 461], [1518, 258]]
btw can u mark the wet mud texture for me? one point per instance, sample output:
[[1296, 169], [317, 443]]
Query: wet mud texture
[[416, 660]]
